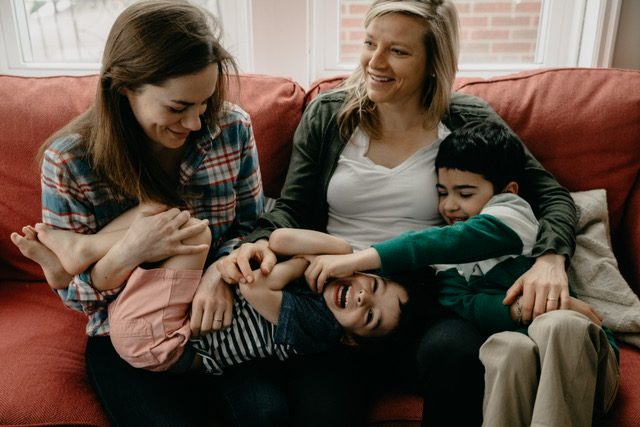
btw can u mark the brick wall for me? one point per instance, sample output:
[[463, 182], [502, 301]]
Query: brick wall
[[497, 31]]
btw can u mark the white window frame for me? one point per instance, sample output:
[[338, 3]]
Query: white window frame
[[573, 33], [237, 39], [299, 39]]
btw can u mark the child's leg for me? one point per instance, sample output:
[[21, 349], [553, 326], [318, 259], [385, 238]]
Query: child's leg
[[571, 349], [194, 261], [149, 319], [33, 249], [510, 361], [77, 252]]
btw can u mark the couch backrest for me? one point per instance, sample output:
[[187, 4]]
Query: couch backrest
[[33, 108], [583, 124]]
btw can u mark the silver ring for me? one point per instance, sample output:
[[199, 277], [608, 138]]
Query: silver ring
[[552, 299]]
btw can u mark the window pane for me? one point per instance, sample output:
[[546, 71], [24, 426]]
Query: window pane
[[492, 31], [70, 31], [67, 30]]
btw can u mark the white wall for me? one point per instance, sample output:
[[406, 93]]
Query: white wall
[[626, 53]]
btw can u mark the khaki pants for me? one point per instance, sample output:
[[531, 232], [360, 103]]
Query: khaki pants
[[564, 373]]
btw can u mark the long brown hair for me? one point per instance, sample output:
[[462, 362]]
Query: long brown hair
[[440, 19], [150, 42]]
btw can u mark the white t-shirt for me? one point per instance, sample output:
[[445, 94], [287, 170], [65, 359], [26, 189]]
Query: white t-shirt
[[370, 203]]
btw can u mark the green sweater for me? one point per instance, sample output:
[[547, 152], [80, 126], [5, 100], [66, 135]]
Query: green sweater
[[476, 261], [316, 149]]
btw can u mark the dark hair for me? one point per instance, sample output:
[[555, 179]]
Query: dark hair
[[413, 313], [488, 148]]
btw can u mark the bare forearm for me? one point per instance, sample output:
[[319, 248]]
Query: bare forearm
[[292, 241], [113, 269], [282, 274]]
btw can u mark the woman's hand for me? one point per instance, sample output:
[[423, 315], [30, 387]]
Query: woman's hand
[[212, 306], [160, 236], [236, 267], [325, 267], [544, 287]]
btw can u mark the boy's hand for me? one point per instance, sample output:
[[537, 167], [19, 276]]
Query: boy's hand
[[586, 309], [236, 267], [212, 306], [325, 267], [544, 287]]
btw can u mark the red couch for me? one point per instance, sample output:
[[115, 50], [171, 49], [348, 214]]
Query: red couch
[[583, 125]]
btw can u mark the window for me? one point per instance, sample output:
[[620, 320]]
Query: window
[[310, 39], [45, 36], [496, 36]]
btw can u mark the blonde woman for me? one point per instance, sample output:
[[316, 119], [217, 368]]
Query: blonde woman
[[362, 169]]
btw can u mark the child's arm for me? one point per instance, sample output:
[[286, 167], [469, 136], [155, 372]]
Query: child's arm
[[265, 293], [296, 241]]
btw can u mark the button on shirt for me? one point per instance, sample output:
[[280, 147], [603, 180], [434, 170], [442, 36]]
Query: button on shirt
[[220, 167]]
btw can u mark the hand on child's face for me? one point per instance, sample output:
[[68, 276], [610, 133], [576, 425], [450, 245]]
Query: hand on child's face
[[324, 267]]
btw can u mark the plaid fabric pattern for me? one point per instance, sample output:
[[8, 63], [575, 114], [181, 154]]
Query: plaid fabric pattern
[[220, 169]]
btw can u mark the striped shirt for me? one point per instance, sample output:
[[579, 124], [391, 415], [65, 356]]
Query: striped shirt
[[249, 337], [305, 325], [220, 167]]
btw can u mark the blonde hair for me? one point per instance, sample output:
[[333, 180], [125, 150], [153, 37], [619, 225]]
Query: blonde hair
[[440, 19], [150, 42]]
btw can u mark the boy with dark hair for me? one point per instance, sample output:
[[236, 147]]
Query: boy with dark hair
[[484, 249]]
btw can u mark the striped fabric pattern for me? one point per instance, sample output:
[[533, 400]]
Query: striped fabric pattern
[[220, 168], [249, 337]]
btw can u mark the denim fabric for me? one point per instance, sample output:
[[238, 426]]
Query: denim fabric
[[305, 322]]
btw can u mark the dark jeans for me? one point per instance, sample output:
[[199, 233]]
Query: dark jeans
[[316, 390]]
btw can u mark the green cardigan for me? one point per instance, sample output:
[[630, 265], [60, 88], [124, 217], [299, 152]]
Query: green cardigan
[[316, 149]]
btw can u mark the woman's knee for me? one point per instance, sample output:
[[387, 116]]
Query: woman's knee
[[449, 339], [202, 238], [261, 404]]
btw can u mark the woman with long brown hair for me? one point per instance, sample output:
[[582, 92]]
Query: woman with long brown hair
[[160, 153]]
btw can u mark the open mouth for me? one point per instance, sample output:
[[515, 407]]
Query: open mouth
[[342, 296], [453, 220], [380, 79]]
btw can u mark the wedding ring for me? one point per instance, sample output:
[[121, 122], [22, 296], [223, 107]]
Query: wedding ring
[[552, 299]]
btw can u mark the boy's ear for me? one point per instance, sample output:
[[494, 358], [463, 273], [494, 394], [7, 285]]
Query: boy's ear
[[348, 340], [511, 187]]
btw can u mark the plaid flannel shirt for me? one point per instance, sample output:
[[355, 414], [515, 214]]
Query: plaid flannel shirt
[[221, 168]]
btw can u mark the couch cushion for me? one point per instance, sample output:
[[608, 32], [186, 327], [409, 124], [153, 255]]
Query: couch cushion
[[30, 111], [33, 108], [43, 377], [626, 409], [583, 124], [275, 105]]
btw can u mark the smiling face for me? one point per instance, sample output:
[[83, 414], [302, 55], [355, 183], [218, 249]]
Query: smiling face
[[394, 59], [365, 305], [461, 194], [170, 112]]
